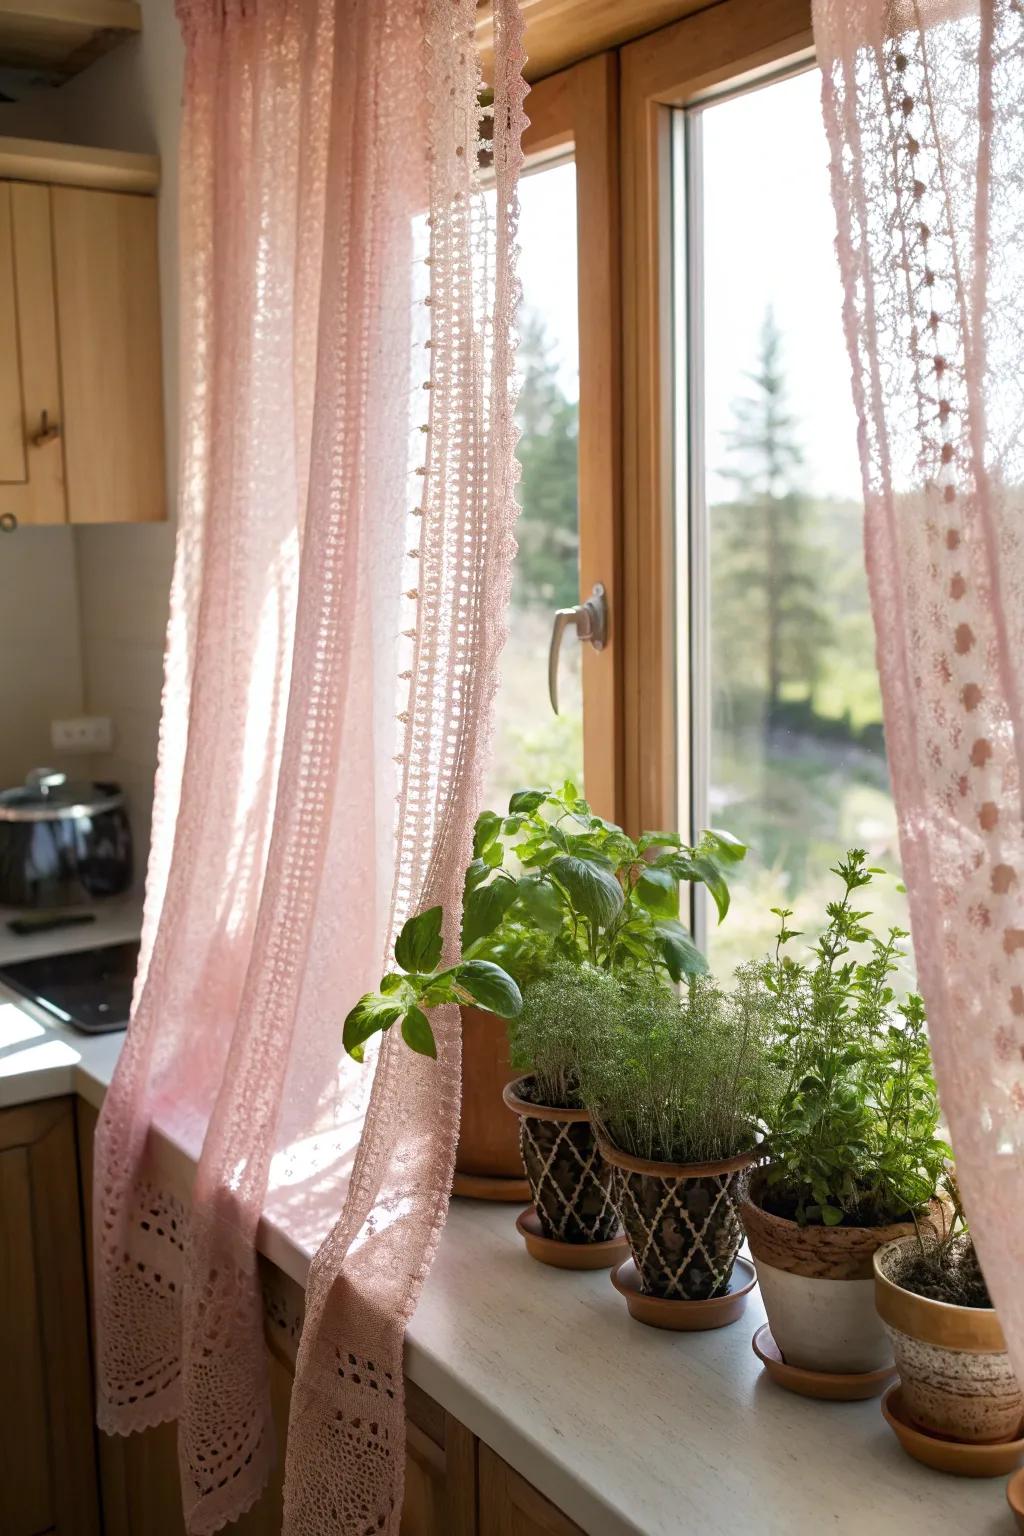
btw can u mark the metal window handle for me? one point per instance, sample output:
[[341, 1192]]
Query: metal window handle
[[48, 432], [590, 619]]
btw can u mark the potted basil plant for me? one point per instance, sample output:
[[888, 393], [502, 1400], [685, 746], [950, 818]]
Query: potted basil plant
[[678, 1088], [855, 1154], [549, 880], [420, 983]]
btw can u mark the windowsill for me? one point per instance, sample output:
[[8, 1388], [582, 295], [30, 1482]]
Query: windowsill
[[631, 1431]]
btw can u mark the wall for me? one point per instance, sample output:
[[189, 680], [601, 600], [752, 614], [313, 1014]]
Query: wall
[[118, 578], [41, 675]]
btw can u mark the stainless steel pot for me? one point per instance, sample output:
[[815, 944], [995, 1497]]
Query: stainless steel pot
[[62, 843]]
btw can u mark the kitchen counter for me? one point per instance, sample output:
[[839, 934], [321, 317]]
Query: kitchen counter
[[631, 1431]]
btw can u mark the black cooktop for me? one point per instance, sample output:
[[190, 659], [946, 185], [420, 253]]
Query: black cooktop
[[90, 989]]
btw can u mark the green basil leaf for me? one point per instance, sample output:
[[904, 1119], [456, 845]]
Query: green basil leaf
[[712, 876], [724, 846], [488, 825], [371, 1014], [526, 800], [540, 903], [658, 891], [418, 947], [484, 909], [491, 987], [681, 955], [593, 890], [417, 1033], [658, 840]]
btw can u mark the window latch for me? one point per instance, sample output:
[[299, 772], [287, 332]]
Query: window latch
[[590, 619]]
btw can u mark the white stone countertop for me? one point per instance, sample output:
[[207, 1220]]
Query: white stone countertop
[[630, 1430]]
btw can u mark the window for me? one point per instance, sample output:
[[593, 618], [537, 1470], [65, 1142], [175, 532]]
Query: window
[[532, 744], [782, 733]]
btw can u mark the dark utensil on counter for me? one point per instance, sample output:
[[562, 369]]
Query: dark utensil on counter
[[90, 989], [62, 844], [46, 922]]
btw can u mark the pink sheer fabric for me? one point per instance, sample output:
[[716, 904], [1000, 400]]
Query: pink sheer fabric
[[343, 566], [923, 103]]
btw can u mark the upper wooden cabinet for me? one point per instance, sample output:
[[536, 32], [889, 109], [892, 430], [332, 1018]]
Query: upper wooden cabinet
[[61, 37], [81, 401]]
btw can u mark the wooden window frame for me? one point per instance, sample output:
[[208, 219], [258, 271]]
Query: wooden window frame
[[732, 43], [577, 111]]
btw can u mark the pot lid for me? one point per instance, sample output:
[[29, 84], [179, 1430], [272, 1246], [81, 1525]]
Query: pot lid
[[49, 795]]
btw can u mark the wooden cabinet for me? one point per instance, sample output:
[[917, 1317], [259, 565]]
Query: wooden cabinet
[[454, 1484], [510, 1506], [47, 1443], [108, 321], [81, 401], [31, 457]]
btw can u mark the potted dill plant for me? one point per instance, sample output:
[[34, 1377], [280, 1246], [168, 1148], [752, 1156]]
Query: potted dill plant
[[573, 1223], [855, 1154], [957, 1386], [678, 1088]]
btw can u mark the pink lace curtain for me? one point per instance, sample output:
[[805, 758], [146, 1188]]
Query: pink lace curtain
[[343, 566], [924, 102]]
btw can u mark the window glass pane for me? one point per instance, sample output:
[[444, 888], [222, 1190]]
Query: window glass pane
[[796, 764], [532, 744]]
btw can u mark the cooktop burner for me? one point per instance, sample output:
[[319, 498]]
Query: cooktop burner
[[90, 989]]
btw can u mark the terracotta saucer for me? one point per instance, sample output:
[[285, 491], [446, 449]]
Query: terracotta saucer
[[548, 1250], [685, 1316], [478, 1186], [955, 1456], [835, 1386], [1015, 1497]]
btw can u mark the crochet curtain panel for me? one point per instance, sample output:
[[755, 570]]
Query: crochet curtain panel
[[343, 565], [923, 104]]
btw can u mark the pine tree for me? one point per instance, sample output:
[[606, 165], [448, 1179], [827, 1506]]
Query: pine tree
[[547, 566], [771, 622]]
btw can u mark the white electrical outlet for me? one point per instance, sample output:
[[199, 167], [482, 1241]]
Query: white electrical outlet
[[86, 733]]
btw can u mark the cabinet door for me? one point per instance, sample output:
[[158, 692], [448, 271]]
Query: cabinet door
[[47, 1448], [108, 306], [509, 1506], [31, 449]]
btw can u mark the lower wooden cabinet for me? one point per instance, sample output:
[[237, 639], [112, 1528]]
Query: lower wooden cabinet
[[47, 1441], [59, 1477], [510, 1506]]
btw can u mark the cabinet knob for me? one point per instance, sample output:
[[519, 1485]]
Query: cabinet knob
[[46, 433], [8, 522]]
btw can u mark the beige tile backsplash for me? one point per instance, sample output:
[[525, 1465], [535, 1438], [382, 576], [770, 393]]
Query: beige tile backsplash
[[83, 614], [124, 580], [41, 674]]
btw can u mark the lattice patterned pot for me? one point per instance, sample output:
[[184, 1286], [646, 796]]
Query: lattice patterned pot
[[682, 1222], [569, 1181], [956, 1378]]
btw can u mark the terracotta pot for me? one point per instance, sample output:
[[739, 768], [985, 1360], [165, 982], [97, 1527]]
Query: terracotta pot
[[682, 1222], [569, 1181], [957, 1380], [818, 1288], [488, 1138]]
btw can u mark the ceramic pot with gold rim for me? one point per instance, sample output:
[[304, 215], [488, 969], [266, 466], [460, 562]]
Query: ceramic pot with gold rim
[[569, 1180], [817, 1285], [955, 1373], [681, 1220]]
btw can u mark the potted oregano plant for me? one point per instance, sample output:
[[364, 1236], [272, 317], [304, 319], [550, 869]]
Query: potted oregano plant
[[551, 879], [956, 1380], [855, 1152], [573, 1222], [421, 983], [678, 1088]]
